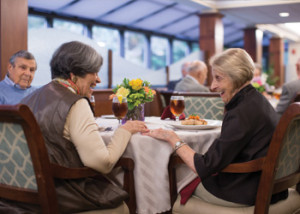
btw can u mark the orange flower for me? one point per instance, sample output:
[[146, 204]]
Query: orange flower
[[146, 89], [112, 96], [153, 92]]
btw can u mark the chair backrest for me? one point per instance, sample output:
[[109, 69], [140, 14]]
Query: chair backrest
[[24, 164], [154, 108], [103, 105], [281, 168], [297, 97], [208, 105]]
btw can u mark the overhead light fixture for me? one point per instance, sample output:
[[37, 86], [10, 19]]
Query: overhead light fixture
[[284, 14]]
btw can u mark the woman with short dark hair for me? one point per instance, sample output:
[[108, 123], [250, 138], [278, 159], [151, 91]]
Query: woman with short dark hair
[[63, 112]]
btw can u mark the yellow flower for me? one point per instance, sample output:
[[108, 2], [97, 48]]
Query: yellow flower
[[136, 84], [123, 92], [120, 98]]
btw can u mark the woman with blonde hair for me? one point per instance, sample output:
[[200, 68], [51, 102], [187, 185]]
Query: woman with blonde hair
[[247, 129]]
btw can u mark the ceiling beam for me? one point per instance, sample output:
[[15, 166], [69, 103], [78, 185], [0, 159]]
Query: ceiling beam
[[115, 9], [154, 13], [176, 20], [51, 15]]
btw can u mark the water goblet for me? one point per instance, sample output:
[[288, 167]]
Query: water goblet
[[177, 106], [119, 107]]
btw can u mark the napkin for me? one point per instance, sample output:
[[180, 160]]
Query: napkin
[[188, 190], [168, 114]]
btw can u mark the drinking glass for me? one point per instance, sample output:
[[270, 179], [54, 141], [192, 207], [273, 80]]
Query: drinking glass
[[177, 106], [119, 108], [277, 94]]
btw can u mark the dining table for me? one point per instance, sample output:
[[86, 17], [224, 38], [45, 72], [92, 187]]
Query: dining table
[[151, 158]]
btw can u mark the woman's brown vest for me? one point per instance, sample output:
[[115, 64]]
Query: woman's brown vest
[[50, 106]]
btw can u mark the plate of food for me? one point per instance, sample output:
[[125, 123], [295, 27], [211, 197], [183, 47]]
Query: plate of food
[[194, 122]]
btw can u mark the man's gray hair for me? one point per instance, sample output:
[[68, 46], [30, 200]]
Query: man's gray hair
[[22, 54]]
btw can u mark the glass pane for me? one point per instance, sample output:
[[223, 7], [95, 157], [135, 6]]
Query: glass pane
[[107, 37], [67, 25], [180, 50], [159, 49], [135, 48], [35, 22], [195, 47]]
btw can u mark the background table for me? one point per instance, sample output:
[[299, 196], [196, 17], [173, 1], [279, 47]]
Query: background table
[[151, 159]]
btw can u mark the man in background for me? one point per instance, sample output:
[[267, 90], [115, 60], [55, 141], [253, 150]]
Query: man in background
[[184, 70], [289, 91], [194, 80], [17, 83]]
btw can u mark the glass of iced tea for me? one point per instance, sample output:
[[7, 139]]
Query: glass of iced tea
[[119, 108], [177, 106]]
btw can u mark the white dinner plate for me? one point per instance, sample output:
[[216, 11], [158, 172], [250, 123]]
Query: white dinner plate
[[108, 116], [211, 124]]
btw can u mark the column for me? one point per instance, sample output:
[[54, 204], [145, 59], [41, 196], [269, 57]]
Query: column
[[253, 43], [211, 39], [13, 30], [276, 51]]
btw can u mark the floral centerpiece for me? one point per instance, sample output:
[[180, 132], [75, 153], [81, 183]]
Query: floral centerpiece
[[258, 84], [137, 92]]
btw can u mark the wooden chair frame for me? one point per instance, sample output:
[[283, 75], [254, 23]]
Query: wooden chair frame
[[45, 171], [268, 185]]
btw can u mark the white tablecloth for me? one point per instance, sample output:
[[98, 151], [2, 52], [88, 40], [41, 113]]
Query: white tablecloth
[[151, 159]]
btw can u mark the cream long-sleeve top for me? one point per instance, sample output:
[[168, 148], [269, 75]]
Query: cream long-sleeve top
[[82, 129]]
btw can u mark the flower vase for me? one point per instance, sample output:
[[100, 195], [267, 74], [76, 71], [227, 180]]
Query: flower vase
[[137, 113]]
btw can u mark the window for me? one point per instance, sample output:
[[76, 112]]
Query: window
[[67, 25], [180, 50], [135, 48], [107, 37], [36, 22], [159, 49]]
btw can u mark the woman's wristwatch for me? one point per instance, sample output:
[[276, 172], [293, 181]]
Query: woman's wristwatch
[[179, 144]]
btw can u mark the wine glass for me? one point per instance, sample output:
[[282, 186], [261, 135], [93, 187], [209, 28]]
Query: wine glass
[[119, 108], [177, 106]]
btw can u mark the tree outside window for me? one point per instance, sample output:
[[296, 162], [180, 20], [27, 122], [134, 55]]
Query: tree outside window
[[67, 25], [135, 48], [180, 50], [159, 49], [36, 22], [107, 37], [195, 46]]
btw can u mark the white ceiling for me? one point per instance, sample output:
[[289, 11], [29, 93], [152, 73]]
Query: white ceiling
[[179, 18]]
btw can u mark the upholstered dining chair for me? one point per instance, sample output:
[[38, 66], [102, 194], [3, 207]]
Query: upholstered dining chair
[[297, 97], [26, 175], [280, 170], [207, 105]]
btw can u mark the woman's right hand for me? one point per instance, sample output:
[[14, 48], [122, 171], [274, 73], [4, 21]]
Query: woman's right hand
[[135, 126], [166, 135]]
